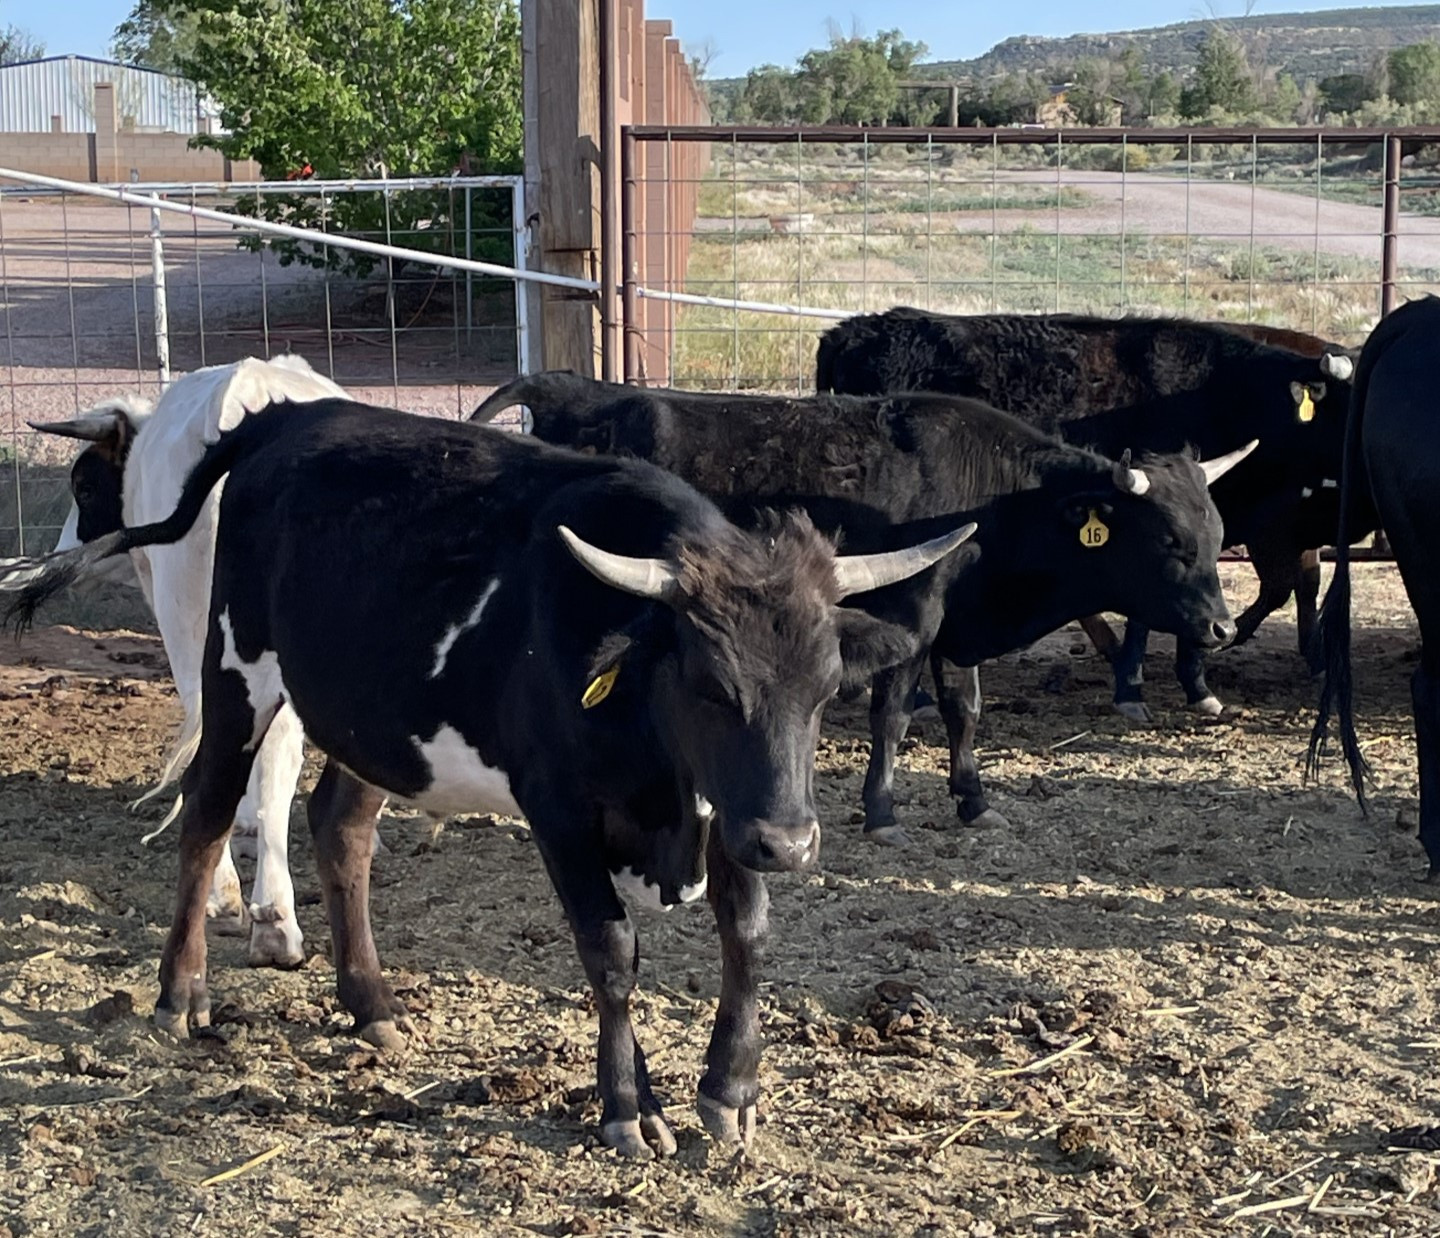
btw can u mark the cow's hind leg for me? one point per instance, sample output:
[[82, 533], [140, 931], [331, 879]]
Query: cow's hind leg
[[958, 689], [631, 1119], [1307, 596], [275, 937], [212, 787], [730, 1086], [891, 693], [225, 904], [1130, 673], [1425, 694], [342, 812]]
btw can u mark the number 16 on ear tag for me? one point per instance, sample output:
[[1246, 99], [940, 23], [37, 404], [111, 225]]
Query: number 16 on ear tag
[[1094, 533]]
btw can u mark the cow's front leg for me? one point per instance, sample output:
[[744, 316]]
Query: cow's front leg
[[275, 937], [1130, 673], [631, 1119], [891, 693], [958, 688], [1190, 671], [730, 1086], [342, 813]]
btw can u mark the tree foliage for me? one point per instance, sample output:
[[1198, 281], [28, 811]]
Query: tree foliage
[[1223, 80], [1414, 74], [853, 81], [350, 88], [17, 45]]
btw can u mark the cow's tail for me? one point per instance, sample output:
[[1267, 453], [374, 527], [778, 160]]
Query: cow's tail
[[27, 584], [181, 754], [518, 391], [1333, 629]]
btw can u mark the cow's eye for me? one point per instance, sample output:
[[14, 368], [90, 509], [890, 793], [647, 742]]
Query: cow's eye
[[713, 692]]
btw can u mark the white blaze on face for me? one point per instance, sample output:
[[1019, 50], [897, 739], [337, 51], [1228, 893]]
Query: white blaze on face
[[460, 782], [264, 686], [457, 630]]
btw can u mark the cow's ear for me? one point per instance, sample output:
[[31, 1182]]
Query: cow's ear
[[868, 644]]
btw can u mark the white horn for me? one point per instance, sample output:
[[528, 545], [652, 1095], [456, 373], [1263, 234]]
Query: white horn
[[1338, 366], [646, 578], [1131, 481], [1217, 468], [860, 573], [90, 429]]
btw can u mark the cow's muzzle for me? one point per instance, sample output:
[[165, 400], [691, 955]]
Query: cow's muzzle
[[1221, 633], [771, 848]]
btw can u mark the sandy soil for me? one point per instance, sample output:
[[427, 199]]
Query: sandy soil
[[1236, 971]]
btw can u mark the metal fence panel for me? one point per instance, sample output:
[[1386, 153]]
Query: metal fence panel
[[85, 316], [1277, 226]]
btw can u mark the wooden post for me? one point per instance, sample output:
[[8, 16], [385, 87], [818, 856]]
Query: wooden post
[[561, 45]]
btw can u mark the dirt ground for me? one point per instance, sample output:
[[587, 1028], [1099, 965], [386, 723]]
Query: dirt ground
[[1183, 994]]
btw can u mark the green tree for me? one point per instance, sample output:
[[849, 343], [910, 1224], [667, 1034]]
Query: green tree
[[357, 88], [854, 80], [17, 45], [769, 96], [1415, 73], [1346, 92], [1223, 80], [152, 38]]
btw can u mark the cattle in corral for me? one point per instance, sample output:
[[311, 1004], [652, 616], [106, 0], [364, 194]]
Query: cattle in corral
[[1392, 472], [472, 620], [1064, 532], [132, 473], [1156, 384]]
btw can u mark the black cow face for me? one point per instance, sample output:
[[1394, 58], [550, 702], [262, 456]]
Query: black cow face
[[1149, 544], [97, 476], [760, 645]]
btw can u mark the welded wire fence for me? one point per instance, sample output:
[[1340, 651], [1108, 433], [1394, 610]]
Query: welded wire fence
[[1278, 227], [104, 298]]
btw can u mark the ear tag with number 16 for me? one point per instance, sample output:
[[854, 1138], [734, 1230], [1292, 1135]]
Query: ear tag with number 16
[[1094, 533]]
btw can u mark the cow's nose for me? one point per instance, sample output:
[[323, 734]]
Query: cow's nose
[[1223, 630], [785, 849]]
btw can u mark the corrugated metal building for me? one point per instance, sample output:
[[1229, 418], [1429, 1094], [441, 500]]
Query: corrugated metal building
[[35, 91]]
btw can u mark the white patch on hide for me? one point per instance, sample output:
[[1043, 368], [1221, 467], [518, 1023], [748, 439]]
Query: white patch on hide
[[457, 630], [264, 685], [635, 889], [460, 782], [704, 809], [1329, 483], [69, 538]]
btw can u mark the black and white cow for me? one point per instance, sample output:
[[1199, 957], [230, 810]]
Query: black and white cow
[[1147, 384], [434, 602], [1392, 471], [131, 472], [1064, 532]]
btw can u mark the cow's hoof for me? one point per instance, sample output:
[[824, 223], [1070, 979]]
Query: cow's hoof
[[889, 836], [727, 1125], [1136, 711], [657, 1134], [626, 1138], [173, 1022], [275, 939], [392, 1035], [1208, 707], [988, 820]]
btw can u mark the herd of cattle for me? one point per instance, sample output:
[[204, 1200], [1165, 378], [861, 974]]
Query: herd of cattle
[[626, 626]]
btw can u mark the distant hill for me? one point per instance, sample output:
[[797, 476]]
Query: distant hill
[[1305, 45]]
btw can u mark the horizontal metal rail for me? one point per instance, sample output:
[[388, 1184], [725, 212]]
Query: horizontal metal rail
[[1025, 135]]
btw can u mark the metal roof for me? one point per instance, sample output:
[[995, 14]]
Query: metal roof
[[35, 90]]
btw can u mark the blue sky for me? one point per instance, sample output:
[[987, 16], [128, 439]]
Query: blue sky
[[751, 32]]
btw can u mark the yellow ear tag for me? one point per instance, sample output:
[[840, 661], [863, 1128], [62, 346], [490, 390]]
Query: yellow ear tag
[[1307, 407], [599, 688], [1094, 533]]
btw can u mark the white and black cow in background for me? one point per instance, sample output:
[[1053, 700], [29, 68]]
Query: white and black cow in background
[[433, 600], [131, 474]]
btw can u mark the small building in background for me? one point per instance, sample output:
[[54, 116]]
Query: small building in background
[[56, 94]]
